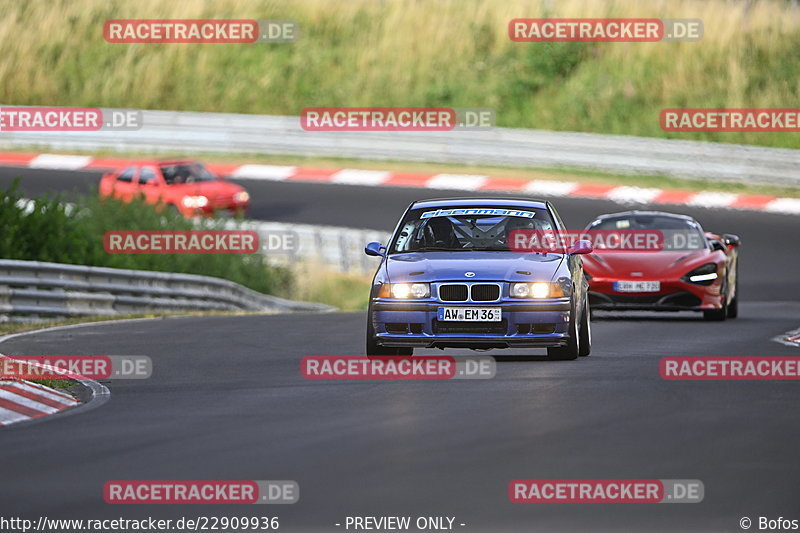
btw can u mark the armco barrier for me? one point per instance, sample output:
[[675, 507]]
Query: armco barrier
[[236, 133], [337, 248], [31, 290]]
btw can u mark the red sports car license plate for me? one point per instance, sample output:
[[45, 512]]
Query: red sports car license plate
[[637, 286]]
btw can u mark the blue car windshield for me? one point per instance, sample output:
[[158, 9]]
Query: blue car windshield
[[454, 229]]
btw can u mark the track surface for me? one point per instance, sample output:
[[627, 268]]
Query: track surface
[[227, 401]]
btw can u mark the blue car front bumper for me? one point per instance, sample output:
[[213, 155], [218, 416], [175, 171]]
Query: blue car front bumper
[[535, 324]]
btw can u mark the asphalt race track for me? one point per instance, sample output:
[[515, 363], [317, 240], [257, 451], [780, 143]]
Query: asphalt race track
[[227, 401]]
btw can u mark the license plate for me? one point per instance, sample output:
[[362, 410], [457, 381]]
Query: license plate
[[470, 314], [637, 286]]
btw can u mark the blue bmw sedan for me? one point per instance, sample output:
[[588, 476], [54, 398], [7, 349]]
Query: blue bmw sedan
[[450, 277]]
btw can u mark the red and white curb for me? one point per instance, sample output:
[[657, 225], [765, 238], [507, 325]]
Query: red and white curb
[[462, 182], [21, 401]]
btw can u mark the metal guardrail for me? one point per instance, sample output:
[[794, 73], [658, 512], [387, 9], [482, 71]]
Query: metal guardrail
[[236, 133], [338, 248], [335, 247], [31, 290]]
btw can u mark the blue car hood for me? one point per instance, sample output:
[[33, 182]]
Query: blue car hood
[[487, 266]]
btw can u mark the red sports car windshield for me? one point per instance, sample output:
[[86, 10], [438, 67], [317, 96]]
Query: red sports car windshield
[[186, 173], [668, 224]]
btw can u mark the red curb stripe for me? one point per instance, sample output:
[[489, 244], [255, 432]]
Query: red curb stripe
[[312, 174], [20, 409], [12, 159], [592, 190], [42, 388], [33, 396], [222, 169], [752, 201], [504, 184], [404, 179], [673, 197]]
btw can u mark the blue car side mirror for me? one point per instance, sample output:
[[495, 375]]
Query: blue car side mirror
[[375, 249]]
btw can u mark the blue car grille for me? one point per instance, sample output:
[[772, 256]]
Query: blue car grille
[[453, 293], [478, 292], [485, 293]]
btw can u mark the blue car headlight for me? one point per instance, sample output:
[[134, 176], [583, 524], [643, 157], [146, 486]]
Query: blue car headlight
[[404, 291], [538, 289]]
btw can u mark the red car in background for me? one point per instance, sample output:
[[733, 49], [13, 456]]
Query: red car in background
[[698, 275], [184, 185]]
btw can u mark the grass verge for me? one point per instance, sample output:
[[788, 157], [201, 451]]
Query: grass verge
[[453, 53], [316, 283]]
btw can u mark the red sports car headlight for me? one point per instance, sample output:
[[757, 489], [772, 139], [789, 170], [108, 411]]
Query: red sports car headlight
[[702, 275]]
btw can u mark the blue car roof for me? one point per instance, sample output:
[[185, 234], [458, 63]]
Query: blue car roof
[[469, 202]]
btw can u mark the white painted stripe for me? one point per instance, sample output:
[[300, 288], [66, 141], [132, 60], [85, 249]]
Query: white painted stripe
[[627, 194], [466, 182], [550, 188], [790, 338], [790, 206], [9, 417], [27, 402], [51, 394], [712, 199], [351, 176], [264, 172], [68, 162]]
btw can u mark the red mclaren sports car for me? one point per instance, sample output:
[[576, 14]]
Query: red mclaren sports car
[[692, 271]]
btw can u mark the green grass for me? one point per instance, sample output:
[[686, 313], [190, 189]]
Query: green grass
[[413, 53], [53, 383]]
